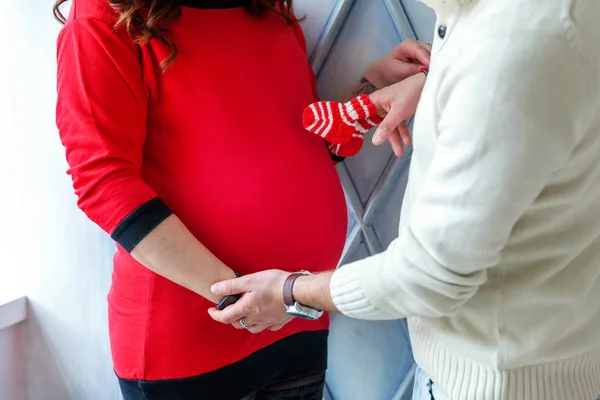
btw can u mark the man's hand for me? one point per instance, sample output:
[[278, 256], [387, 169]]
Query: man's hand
[[261, 305], [396, 103], [404, 61]]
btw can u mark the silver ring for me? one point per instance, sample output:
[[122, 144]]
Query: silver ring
[[428, 44], [245, 324]]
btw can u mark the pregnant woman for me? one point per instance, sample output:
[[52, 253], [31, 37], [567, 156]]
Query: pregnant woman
[[183, 132]]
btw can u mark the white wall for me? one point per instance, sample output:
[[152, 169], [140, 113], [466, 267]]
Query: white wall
[[50, 251]]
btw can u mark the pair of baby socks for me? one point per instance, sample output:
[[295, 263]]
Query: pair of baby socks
[[342, 125]]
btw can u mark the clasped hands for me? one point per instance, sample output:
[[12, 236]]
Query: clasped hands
[[400, 82], [261, 305]]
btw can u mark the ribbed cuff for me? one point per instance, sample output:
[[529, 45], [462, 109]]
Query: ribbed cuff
[[349, 296], [140, 223]]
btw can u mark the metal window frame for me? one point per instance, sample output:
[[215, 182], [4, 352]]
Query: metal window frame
[[365, 213]]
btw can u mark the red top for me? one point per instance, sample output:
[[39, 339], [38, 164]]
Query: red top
[[219, 138]]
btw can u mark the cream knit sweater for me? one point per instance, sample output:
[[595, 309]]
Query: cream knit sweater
[[497, 263]]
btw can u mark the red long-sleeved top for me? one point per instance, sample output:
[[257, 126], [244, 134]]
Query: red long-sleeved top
[[218, 139]]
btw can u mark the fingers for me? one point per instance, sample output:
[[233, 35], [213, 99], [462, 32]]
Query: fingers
[[426, 46], [396, 143], [257, 328], [254, 328], [390, 123], [232, 286], [400, 139], [406, 69], [233, 313], [275, 328], [414, 50], [237, 325], [404, 134]]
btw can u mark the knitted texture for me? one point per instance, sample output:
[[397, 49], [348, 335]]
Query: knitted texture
[[342, 125]]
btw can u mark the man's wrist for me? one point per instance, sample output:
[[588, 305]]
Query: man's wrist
[[313, 291]]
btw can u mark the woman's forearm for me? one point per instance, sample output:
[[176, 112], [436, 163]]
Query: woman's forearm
[[173, 252]]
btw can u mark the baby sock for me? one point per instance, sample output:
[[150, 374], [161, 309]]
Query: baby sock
[[337, 122], [355, 144]]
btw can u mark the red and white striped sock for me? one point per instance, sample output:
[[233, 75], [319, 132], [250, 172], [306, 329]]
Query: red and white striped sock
[[362, 127], [337, 122], [346, 150]]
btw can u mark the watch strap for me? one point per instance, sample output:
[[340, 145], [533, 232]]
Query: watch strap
[[288, 288]]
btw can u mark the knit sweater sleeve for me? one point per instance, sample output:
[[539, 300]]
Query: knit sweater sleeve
[[101, 117], [495, 152]]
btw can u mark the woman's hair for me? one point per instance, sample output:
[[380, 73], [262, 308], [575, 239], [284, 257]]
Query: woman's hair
[[148, 19]]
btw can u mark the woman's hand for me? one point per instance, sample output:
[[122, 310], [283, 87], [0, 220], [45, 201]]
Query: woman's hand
[[395, 104], [404, 61]]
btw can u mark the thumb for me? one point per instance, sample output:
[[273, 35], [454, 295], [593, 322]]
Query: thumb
[[231, 286], [394, 119]]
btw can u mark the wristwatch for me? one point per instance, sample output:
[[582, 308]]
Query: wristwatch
[[294, 308]]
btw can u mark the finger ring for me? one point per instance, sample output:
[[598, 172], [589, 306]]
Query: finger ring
[[245, 324], [428, 44]]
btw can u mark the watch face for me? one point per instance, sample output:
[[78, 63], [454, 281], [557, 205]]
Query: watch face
[[300, 311]]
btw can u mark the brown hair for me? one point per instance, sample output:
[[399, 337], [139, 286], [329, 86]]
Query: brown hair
[[146, 19]]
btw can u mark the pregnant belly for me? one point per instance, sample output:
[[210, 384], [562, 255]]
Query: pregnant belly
[[279, 213]]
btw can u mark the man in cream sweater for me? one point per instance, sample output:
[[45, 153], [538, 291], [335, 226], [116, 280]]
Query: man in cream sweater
[[497, 262]]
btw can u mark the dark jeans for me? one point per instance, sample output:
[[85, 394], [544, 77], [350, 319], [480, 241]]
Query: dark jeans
[[310, 388], [304, 388], [293, 366]]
